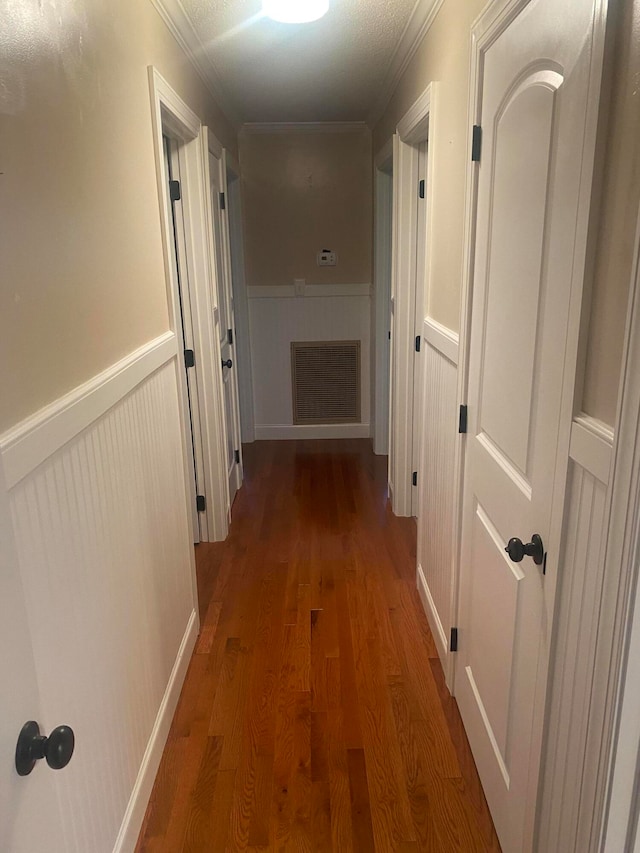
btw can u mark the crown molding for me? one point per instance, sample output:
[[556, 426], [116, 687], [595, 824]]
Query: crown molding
[[175, 17], [305, 127], [418, 25]]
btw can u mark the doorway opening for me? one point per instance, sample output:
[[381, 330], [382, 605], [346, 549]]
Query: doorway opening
[[381, 315]]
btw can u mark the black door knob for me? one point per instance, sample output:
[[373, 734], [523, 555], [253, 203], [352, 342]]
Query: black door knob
[[227, 363], [32, 746], [517, 550]]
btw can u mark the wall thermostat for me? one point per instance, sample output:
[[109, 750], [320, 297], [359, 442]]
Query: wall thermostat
[[327, 258]]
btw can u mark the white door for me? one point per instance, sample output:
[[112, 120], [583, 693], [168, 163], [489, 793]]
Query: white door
[[226, 325], [534, 84], [30, 820], [419, 312], [180, 274]]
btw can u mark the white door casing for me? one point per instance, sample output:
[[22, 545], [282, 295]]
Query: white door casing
[[173, 118], [31, 817], [536, 71]]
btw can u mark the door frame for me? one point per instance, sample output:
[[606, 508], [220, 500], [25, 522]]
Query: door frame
[[415, 127], [240, 300], [381, 314], [172, 117], [495, 18], [615, 749]]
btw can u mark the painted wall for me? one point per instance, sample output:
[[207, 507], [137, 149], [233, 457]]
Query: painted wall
[[619, 210], [83, 275], [444, 57], [303, 192]]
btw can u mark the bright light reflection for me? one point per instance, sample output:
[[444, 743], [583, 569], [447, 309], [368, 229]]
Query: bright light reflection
[[295, 11]]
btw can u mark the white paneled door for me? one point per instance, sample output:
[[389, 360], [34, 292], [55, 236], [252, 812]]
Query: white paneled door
[[30, 817], [226, 324], [534, 110]]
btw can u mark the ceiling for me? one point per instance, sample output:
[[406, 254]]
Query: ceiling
[[335, 69]]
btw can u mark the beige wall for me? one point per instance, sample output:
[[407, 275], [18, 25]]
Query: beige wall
[[303, 192], [83, 280], [443, 57], [619, 212]]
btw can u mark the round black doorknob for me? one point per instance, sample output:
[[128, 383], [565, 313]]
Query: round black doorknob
[[517, 550], [32, 746], [227, 363]]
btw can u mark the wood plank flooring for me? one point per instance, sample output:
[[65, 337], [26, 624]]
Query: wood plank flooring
[[314, 716]]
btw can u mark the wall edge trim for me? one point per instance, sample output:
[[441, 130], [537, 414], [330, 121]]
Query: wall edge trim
[[137, 806], [441, 338], [288, 291], [591, 446], [33, 440]]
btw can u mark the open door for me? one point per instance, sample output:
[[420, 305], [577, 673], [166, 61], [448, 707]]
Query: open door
[[534, 183], [225, 324]]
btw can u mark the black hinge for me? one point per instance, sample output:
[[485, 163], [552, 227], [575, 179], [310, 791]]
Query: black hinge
[[237, 455], [462, 420], [174, 190], [230, 336], [476, 142], [417, 343], [189, 358], [222, 201], [414, 478], [453, 641], [421, 189], [201, 503], [389, 334]]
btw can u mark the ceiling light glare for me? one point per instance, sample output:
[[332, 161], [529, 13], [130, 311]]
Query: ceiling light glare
[[295, 11]]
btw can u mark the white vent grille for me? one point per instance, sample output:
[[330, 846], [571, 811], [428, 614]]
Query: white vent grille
[[325, 379]]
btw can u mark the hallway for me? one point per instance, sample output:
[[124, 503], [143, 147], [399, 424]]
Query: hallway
[[314, 714]]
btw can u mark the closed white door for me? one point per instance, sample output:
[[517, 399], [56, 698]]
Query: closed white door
[[30, 820], [226, 324], [534, 82]]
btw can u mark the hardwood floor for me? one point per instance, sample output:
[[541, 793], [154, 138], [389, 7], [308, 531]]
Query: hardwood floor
[[314, 716]]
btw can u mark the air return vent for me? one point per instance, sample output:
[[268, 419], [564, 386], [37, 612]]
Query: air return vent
[[325, 382]]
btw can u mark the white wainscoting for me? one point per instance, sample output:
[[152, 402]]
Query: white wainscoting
[[567, 787], [436, 481], [99, 508], [319, 312]]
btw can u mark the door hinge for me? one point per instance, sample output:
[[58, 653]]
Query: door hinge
[[389, 334], [418, 343], [174, 191], [462, 420], [189, 358], [476, 142], [229, 336], [421, 188], [414, 478], [223, 204], [237, 456], [453, 641], [201, 503]]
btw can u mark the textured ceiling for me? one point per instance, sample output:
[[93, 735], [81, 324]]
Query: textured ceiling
[[329, 70]]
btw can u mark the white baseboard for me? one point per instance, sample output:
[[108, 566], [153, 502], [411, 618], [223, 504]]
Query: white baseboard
[[134, 815], [271, 432], [435, 624]]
